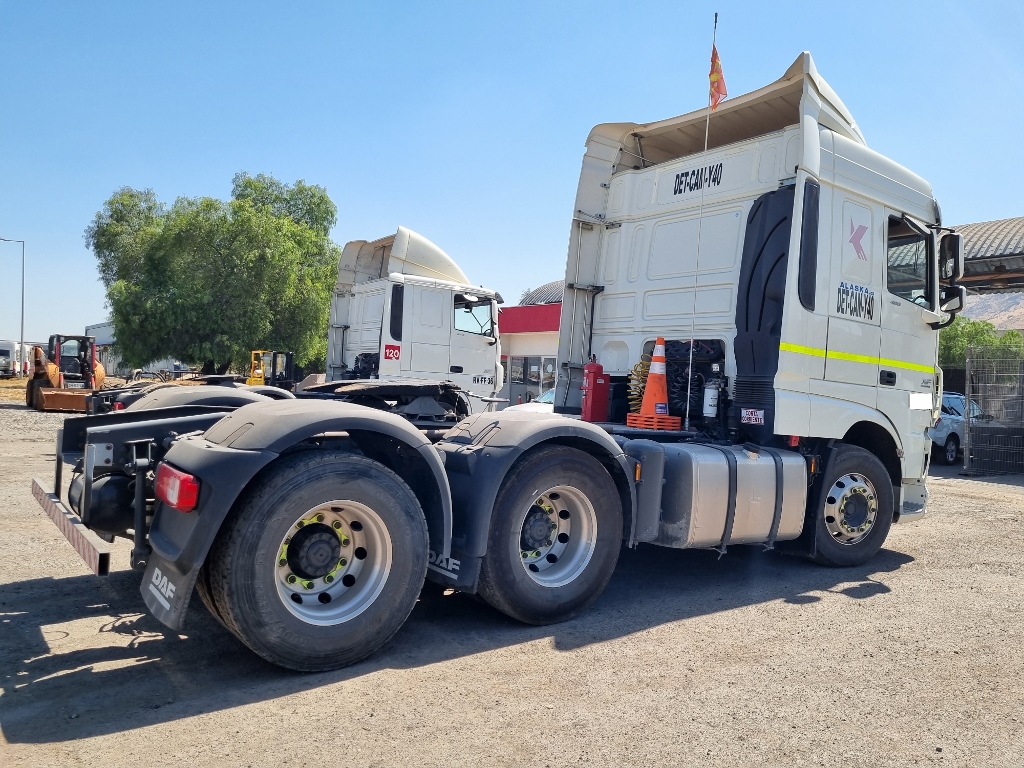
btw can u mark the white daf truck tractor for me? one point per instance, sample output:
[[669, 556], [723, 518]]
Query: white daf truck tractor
[[800, 280]]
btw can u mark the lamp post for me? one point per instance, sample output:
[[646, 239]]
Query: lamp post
[[21, 344]]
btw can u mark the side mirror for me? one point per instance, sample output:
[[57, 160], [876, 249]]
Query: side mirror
[[951, 256], [952, 298]]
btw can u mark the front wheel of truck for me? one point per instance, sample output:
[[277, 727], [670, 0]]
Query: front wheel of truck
[[555, 537], [321, 562], [855, 508]]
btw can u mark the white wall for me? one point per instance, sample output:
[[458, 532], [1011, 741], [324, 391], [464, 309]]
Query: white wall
[[530, 344]]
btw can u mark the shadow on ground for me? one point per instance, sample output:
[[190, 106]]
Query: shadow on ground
[[956, 471], [58, 689]]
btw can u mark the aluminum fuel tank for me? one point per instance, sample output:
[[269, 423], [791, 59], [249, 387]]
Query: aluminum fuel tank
[[695, 496]]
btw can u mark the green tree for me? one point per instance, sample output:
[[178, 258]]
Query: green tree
[[206, 280], [964, 332]]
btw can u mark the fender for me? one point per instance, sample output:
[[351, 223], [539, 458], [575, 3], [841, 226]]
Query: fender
[[836, 417], [227, 458], [168, 397], [480, 451]]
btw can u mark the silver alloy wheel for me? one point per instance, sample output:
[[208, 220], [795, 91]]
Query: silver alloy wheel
[[558, 536], [851, 508], [951, 450], [333, 562]]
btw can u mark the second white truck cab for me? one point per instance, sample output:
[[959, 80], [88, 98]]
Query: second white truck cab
[[403, 308]]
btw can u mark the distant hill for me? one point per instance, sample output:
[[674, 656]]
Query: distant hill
[[1004, 310]]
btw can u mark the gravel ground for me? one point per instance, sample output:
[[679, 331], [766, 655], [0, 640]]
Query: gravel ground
[[754, 659]]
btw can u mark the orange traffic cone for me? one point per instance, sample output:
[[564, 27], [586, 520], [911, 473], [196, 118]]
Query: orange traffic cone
[[654, 408]]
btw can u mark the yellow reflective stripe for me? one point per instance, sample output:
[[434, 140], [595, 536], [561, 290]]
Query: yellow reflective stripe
[[908, 366], [801, 350], [850, 357]]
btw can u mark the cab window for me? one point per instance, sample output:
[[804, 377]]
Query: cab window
[[908, 256], [473, 315]]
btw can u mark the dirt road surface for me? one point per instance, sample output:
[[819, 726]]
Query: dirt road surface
[[755, 659]]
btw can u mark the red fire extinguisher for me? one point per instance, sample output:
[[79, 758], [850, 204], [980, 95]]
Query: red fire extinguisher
[[596, 388]]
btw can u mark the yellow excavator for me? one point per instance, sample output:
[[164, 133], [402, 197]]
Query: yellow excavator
[[270, 367], [64, 374]]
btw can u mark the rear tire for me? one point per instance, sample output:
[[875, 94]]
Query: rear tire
[[560, 503], [361, 521], [855, 508], [950, 450], [205, 592], [30, 393]]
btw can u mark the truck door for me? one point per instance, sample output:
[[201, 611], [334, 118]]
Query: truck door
[[907, 357], [474, 346], [429, 326], [854, 326], [907, 354]]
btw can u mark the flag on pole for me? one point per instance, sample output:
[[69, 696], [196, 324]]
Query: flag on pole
[[718, 91]]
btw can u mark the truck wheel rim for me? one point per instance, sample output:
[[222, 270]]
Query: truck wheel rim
[[950, 451], [333, 562], [851, 508], [558, 536]]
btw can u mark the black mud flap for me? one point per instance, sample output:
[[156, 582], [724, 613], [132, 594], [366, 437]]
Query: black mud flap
[[166, 592]]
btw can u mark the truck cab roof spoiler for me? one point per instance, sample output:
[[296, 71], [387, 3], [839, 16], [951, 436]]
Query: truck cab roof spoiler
[[801, 90], [405, 252]]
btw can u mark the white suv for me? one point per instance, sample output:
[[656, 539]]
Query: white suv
[[948, 433]]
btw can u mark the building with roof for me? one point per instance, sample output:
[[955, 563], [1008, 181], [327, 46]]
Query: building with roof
[[529, 342], [994, 256]]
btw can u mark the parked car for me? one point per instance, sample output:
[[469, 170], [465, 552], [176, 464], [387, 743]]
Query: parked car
[[948, 433], [543, 404]]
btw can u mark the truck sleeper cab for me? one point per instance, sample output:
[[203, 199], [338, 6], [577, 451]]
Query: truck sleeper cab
[[307, 527], [811, 259]]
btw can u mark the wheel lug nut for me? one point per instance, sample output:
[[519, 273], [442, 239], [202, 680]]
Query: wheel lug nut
[[282, 562], [328, 578], [308, 584], [319, 518], [336, 525], [547, 543], [343, 562], [292, 578]]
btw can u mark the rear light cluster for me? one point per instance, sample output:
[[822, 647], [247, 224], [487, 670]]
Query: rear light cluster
[[178, 490]]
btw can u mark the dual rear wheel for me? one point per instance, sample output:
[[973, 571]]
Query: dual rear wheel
[[322, 561]]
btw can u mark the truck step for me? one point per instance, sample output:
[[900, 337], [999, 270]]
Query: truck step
[[656, 421]]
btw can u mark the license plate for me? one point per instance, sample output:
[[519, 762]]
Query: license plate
[[751, 416], [75, 385]]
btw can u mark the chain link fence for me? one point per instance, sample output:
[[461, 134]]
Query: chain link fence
[[994, 418]]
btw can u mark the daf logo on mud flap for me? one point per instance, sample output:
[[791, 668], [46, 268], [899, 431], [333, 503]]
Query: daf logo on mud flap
[[449, 566], [162, 587]]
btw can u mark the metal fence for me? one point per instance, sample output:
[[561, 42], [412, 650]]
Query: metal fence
[[994, 418]]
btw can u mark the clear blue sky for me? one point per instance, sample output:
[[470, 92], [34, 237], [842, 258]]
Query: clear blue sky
[[464, 121]]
